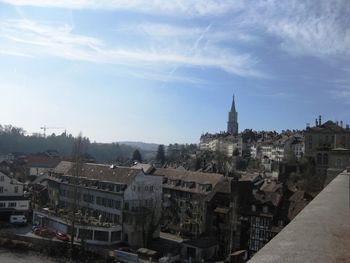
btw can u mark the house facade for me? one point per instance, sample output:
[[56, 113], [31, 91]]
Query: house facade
[[122, 197], [185, 196], [12, 200]]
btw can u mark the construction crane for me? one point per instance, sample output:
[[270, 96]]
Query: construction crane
[[47, 128]]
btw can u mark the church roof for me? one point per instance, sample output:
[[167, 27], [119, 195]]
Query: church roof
[[233, 107]]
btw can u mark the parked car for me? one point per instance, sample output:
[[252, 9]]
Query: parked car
[[62, 236], [18, 220], [43, 231]]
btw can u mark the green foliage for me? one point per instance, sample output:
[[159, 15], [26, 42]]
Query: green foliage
[[13, 139], [160, 154], [136, 156]]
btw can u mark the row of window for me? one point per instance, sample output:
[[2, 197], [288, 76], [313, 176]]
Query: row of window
[[86, 234], [261, 234], [2, 189], [255, 245], [107, 202], [201, 187], [107, 217], [139, 188], [260, 221], [10, 204]]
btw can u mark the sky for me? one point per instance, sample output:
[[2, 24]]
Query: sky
[[166, 71]]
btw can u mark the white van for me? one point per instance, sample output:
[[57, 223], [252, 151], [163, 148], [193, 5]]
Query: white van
[[18, 220]]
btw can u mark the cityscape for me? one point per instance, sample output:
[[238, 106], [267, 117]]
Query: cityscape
[[180, 131]]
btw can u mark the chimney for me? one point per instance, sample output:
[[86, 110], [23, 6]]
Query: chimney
[[347, 127], [316, 123], [307, 125], [319, 120], [341, 124], [337, 122]]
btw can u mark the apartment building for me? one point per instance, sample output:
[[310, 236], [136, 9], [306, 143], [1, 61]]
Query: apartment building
[[185, 196], [12, 200], [124, 200]]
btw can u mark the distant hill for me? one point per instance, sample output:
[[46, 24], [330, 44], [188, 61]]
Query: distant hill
[[13, 139], [147, 147]]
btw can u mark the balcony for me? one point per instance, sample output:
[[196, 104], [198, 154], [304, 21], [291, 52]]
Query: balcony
[[320, 233]]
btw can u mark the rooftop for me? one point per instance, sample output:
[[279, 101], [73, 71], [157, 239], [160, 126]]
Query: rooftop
[[107, 173], [189, 176]]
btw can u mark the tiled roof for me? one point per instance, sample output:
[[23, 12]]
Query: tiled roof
[[147, 168], [42, 161], [189, 176], [63, 167], [270, 186], [107, 173]]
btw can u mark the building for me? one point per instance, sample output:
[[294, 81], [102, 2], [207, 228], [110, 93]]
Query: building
[[41, 163], [224, 143], [262, 215], [232, 124], [325, 142], [12, 200], [200, 249], [123, 200], [185, 196]]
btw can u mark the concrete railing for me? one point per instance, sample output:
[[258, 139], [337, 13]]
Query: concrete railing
[[320, 233]]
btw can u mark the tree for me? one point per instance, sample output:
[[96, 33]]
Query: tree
[[160, 154], [136, 156]]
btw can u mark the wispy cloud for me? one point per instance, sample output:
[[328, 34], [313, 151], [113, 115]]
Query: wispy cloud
[[187, 7], [15, 53], [316, 28], [60, 41]]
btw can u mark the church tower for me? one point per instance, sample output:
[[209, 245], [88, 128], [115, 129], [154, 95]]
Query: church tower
[[232, 124]]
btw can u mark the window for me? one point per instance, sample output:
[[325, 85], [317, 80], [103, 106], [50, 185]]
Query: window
[[116, 219], [2, 205], [116, 236], [85, 234], [12, 204], [101, 236], [253, 208], [126, 206], [338, 163], [319, 158], [88, 198], [16, 189], [325, 159], [117, 204], [265, 209], [310, 142], [1, 189], [2, 178], [98, 200]]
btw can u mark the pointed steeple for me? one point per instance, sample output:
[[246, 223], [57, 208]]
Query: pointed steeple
[[233, 107], [232, 124]]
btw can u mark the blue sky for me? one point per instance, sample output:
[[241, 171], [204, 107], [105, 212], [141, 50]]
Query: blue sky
[[165, 71]]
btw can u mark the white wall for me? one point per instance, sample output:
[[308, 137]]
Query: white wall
[[9, 185]]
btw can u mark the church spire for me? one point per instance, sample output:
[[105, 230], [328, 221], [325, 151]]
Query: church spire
[[233, 107], [232, 124]]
